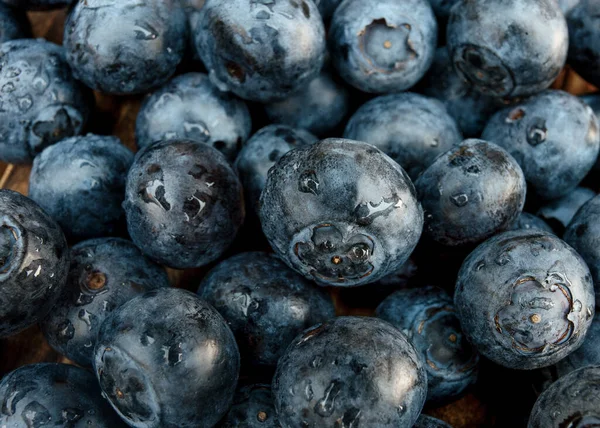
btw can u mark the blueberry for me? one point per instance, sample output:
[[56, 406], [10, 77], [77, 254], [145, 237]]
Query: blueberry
[[38, 4], [265, 303], [572, 401], [80, 182], [183, 203], [425, 421], [360, 371], [340, 212], [381, 46], [594, 102], [559, 212], [261, 50], [554, 137], [319, 107], [508, 48], [586, 355], [34, 261], [327, 7], [567, 5], [427, 316], [104, 274], [40, 102], [530, 222], [470, 193], [167, 359], [263, 151], [584, 34], [190, 107], [410, 128], [253, 407], [13, 24], [124, 46], [46, 394], [525, 299]]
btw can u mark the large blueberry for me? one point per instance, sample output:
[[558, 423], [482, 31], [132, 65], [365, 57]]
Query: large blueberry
[[587, 354], [60, 395], [183, 202], [470, 193], [261, 50], [190, 107], [125, 46], [104, 274], [13, 24], [584, 34], [34, 262], [40, 101], [510, 47], [427, 316], [38, 4], [265, 303], [425, 421], [352, 371], [410, 128], [559, 212], [319, 107], [80, 182], [341, 212], [262, 151], [167, 359], [525, 299], [555, 138], [253, 407], [572, 401], [529, 221], [382, 46]]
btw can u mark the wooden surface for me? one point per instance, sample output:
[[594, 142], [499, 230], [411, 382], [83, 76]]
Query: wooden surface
[[116, 116]]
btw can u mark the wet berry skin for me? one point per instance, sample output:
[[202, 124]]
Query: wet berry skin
[[427, 316], [41, 101], [358, 370], [261, 51], [13, 24], [104, 274], [183, 202], [265, 303], [425, 421], [584, 33], [47, 394], [571, 401], [34, 260], [382, 46], [470, 193], [525, 299], [340, 212], [38, 4], [190, 107], [123, 46], [410, 128], [553, 135], [525, 60], [262, 151], [80, 182], [253, 407], [167, 359]]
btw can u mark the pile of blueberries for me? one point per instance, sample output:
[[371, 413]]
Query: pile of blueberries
[[380, 152]]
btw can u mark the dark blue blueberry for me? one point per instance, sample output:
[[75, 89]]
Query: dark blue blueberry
[[104, 274], [40, 102], [253, 407], [555, 138], [327, 8], [125, 46], [587, 354], [525, 299], [530, 222], [38, 4], [190, 107], [61, 395], [80, 182], [265, 303], [508, 48], [261, 50], [572, 401], [13, 24], [470, 193], [584, 35], [183, 202], [427, 317], [34, 262], [469, 108], [594, 102], [381, 46], [559, 212], [167, 359], [319, 107], [442, 8], [341, 212], [410, 128], [262, 151], [355, 370], [425, 421]]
